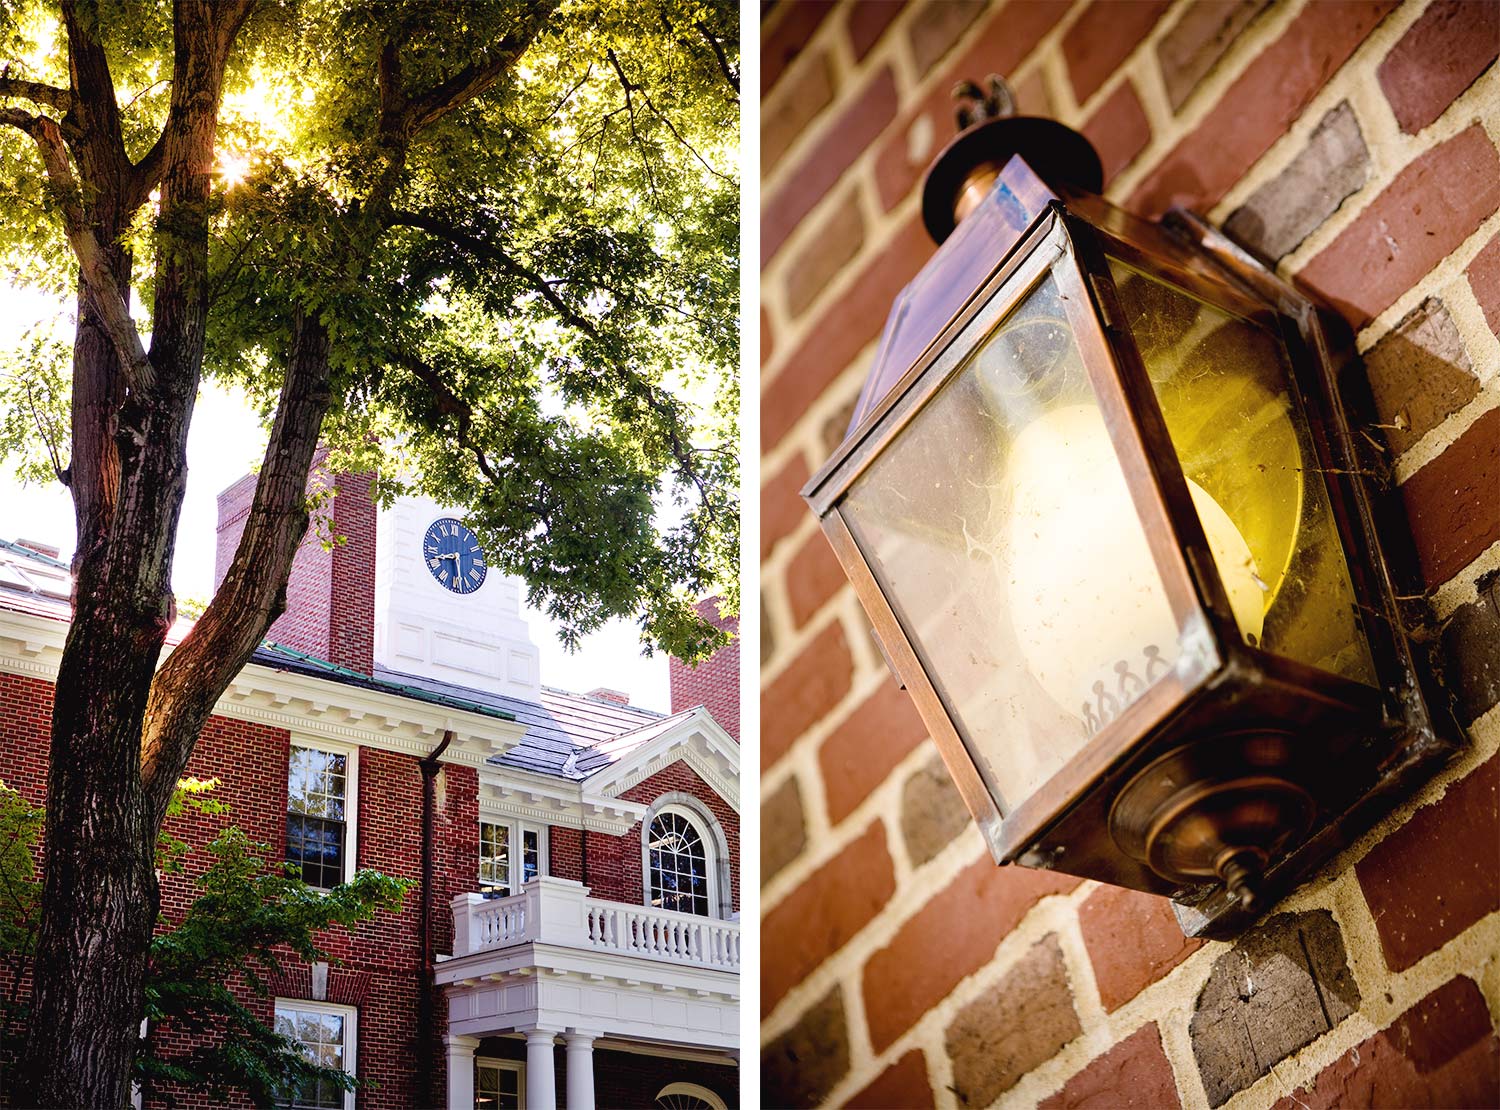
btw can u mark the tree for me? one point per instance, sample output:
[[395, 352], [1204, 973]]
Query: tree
[[486, 250], [245, 911]]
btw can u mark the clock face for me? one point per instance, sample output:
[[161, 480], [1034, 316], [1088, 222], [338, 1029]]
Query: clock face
[[453, 555]]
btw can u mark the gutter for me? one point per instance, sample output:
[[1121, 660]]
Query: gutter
[[427, 988]]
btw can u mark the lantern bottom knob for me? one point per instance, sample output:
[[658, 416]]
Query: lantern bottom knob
[[1223, 808]]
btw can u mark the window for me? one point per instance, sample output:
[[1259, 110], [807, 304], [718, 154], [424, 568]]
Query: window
[[502, 871], [499, 1084], [319, 813], [687, 1096], [327, 1036], [678, 864]]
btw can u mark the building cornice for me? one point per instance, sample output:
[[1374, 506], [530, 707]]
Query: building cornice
[[697, 740]]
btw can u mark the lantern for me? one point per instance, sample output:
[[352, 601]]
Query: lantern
[[1115, 527]]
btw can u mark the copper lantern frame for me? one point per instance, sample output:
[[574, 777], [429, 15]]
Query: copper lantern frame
[[1251, 739]]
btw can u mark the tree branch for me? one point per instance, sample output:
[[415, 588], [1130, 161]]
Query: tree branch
[[35, 91], [730, 77]]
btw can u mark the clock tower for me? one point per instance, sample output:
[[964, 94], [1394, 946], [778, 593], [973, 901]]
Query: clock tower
[[441, 611]]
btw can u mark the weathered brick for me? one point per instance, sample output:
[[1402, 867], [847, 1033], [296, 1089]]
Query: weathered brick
[[1421, 217], [936, 26], [1419, 374], [813, 576], [1283, 985], [1451, 503], [845, 138], [1441, 55], [767, 637], [1032, 97], [1133, 939], [965, 921], [1484, 279], [1199, 39], [1010, 1029], [1259, 106], [863, 750], [806, 93], [831, 247], [1441, 1052], [783, 830], [767, 338], [785, 34], [1285, 210], [837, 426], [1119, 130], [1008, 35], [844, 329], [904, 1084], [1422, 887], [782, 509], [1134, 1075], [802, 1065], [1102, 37], [811, 685], [868, 20], [932, 811], [1471, 650], [819, 917]]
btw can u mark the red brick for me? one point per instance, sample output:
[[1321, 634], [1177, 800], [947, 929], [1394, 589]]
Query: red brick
[[1119, 130], [937, 25], [846, 328], [785, 34], [1194, 44], [867, 21], [782, 509], [805, 94], [861, 752], [1133, 939], [1258, 108], [831, 247], [823, 914], [953, 935], [1439, 57], [1134, 1075], [1441, 1052], [1435, 876], [812, 577], [1103, 37], [1420, 218], [715, 682], [1451, 503], [1484, 280], [1032, 98], [904, 1084], [843, 140], [1008, 36], [802, 695]]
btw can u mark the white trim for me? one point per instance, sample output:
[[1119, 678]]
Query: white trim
[[694, 1091], [517, 1066], [710, 834], [350, 752], [350, 1014], [548, 800], [697, 740]]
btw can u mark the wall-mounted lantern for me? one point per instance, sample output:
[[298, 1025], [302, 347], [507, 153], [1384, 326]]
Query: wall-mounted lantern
[[1115, 527]]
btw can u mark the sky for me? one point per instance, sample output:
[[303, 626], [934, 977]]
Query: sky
[[224, 442]]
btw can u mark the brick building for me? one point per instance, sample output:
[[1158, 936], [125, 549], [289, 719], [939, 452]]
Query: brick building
[[584, 909], [1354, 145]]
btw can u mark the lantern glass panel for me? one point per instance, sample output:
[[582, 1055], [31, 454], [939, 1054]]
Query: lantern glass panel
[[1224, 386], [1000, 528]]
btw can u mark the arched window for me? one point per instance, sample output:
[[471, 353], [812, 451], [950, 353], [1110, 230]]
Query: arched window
[[679, 868], [687, 1096]]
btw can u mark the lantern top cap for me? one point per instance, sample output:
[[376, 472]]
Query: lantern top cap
[[990, 135]]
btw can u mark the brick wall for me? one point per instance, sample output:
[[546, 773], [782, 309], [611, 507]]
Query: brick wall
[[1355, 143], [715, 682]]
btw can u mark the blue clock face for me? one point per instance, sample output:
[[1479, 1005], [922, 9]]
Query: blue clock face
[[453, 555]]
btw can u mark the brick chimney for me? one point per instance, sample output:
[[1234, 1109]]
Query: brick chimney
[[715, 682], [330, 596]]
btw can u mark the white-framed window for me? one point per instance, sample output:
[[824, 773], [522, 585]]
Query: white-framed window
[[688, 1096], [321, 794], [328, 1034], [680, 862], [511, 853], [499, 1084]]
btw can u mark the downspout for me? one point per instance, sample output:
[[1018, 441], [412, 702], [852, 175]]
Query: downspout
[[426, 988]]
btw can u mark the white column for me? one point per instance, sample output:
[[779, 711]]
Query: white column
[[460, 1070], [580, 1069], [541, 1077]]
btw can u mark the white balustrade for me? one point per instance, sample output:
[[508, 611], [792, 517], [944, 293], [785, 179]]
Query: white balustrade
[[559, 911]]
